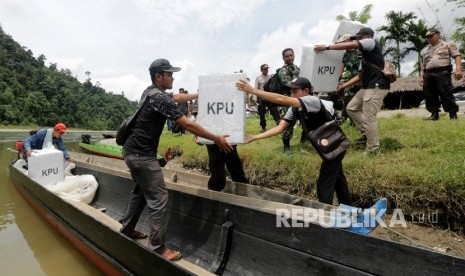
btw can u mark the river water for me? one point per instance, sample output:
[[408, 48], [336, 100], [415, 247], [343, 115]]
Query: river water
[[28, 245]]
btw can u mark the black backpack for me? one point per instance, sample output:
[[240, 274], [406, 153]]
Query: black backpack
[[124, 130], [274, 84]]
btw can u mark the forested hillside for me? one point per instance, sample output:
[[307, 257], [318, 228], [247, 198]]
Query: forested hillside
[[33, 93]]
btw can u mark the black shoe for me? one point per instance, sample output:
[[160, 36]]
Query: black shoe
[[434, 117], [361, 140], [263, 130], [287, 150], [453, 115]]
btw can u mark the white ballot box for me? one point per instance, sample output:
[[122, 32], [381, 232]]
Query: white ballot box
[[323, 69], [46, 166], [347, 27], [222, 106]]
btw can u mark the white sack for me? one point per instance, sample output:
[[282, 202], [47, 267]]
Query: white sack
[[77, 187]]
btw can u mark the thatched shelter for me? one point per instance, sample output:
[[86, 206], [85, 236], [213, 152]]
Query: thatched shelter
[[407, 92]]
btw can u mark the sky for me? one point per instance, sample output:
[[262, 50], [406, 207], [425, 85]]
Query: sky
[[117, 40]]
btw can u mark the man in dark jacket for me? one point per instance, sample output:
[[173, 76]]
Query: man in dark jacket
[[364, 106], [140, 155]]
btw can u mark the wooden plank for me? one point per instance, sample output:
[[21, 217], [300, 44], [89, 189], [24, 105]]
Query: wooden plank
[[118, 167], [254, 256], [185, 187]]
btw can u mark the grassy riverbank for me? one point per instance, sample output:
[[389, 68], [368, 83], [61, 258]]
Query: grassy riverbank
[[421, 167]]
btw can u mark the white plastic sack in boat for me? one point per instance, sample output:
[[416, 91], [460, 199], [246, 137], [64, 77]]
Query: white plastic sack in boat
[[48, 144], [77, 187], [323, 69], [222, 106]]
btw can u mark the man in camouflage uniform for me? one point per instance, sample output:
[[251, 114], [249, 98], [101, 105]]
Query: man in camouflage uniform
[[436, 78], [263, 104], [287, 73]]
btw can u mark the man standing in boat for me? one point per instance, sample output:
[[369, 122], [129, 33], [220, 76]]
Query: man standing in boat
[[140, 155]]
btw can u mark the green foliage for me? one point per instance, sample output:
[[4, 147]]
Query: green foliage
[[397, 32], [31, 93], [416, 38], [363, 16], [459, 34]]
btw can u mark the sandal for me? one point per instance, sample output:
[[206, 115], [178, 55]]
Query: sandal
[[136, 235], [171, 255]]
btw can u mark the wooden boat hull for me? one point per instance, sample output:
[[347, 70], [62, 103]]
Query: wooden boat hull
[[221, 236], [173, 175]]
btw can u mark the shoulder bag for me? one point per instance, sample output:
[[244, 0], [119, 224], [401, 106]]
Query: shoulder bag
[[329, 140]]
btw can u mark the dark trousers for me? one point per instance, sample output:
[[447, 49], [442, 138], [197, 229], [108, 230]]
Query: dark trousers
[[332, 178], [437, 88], [262, 105], [216, 163], [150, 190]]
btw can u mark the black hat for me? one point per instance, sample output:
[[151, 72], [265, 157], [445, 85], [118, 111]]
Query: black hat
[[363, 31], [300, 82], [431, 32], [162, 65], [264, 66]]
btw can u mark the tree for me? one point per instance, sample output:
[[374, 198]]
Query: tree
[[41, 59], [361, 17], [459, 34], [88, 75], [415, 36], [383, 45], [31, 92], [397, 32]]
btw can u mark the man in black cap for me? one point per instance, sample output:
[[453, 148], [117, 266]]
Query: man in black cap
[[435, 78], [364, 106], [313, 114], [140, 155], [263, 104]]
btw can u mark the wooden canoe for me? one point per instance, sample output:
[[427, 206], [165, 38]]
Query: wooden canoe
[[220, 233]]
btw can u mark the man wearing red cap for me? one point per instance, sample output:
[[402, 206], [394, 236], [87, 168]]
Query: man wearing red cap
[[45, 138]]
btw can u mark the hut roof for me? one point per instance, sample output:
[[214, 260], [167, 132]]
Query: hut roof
[[406, 84], [413, 84]]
